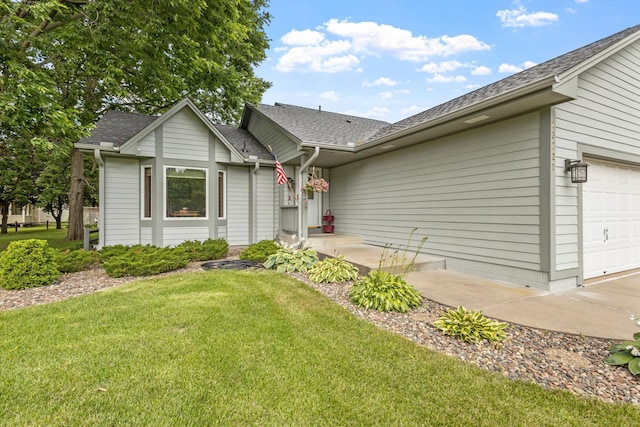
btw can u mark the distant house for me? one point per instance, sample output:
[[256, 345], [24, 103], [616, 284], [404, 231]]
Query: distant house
[[483, 175], [29, 214]]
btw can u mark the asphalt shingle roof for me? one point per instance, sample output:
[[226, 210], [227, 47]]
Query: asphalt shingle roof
[[117, 127], [315, 126], [244, 142], [531, 75]]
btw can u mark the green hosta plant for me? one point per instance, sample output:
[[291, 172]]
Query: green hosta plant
[[627, 352], [333, 270], [470, 326], [383, 291], [288, 260]]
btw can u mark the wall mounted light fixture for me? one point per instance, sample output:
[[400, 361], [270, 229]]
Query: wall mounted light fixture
[[578, 170]]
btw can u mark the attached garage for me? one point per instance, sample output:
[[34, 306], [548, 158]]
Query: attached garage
[[611, 218]]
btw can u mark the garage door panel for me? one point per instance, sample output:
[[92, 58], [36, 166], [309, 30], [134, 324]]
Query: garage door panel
[[611, 218]]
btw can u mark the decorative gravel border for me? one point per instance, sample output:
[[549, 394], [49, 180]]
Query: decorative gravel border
[[553, 360]]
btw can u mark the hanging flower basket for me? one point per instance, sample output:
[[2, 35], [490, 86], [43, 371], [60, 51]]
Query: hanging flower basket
[[315, 185]]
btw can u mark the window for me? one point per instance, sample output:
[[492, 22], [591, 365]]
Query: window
[[221, 195], [186, 192], [146, 192], [16, 209]]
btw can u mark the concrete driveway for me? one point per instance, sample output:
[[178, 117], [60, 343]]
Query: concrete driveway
[[600, 309]]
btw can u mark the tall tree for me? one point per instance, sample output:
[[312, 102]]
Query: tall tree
[[142, 55]]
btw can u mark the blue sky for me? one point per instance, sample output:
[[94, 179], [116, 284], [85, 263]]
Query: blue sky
[[391, 59]]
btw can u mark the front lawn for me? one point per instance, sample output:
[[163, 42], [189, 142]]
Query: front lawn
[[248, 348]]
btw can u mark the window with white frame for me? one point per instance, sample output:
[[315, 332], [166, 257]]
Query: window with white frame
[[222, 195], [186, 192], [146, 192]]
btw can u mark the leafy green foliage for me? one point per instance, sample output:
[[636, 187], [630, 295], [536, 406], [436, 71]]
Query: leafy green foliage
[[26, 264], [383, 291], [204, 251], [333, 270], [72, 261], [626, 353], [288, 260], [260, 251], [470, 326], [139, 260]]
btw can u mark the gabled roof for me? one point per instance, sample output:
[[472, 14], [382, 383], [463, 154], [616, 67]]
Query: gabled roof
[[117, 127], [317, 127], [244, 142], [544, 71]]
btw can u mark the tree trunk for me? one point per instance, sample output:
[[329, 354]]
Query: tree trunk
[[76, 194], [4, 211]]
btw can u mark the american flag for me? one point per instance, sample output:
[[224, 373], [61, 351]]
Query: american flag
[[281, 177]]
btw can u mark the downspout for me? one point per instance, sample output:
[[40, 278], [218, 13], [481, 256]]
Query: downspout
[[254, 203], [101, 186], [301, 173]]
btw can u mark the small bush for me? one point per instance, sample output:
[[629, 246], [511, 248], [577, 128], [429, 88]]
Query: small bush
[[383, 291], [204, 251], [260, 251], [470, 326], [288, 260], [27, 264], [141, 260], [73, 261], [333, 270]]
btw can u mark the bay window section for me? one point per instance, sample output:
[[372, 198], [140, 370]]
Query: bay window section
[[186, 192], [146, 192], [222, 195]]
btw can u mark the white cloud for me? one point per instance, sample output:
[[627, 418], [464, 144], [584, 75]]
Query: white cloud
[[377, 112], [582, 1], [330, 96], [481, 71], [439, 78], [520, 17], [339, 45], [441, 67], [302, 38], [329, 57], [382, 81], [386, 95], [509, 68], [411, 110], [379, 39]]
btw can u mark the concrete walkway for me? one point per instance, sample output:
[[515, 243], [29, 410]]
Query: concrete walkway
[[600, 309]]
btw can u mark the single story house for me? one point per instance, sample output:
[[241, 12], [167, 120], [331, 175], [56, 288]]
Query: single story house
[[485, 175]]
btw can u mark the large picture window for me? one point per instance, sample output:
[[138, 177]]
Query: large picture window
[[186, 192]]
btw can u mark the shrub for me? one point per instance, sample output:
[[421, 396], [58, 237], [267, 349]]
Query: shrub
[[383, 291], [141, 260], [470, 326], [206, 250], [627, 352], [260, 251], [71, 261], [288, 260], [26, 264], [333, 270]]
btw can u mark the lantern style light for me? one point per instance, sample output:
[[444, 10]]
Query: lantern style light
[[578, 170]]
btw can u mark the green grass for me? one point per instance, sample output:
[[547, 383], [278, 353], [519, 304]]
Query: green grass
[[53, 236], [248, 348]]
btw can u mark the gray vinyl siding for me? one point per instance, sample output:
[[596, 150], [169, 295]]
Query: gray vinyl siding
[[238, 200], [146, 147], [122, 202], [266, 199], [270, 135], [474, 194], [173, 236], [185, 137], [606, 115]]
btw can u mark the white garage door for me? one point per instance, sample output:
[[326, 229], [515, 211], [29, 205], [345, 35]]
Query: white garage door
[[611, 218]]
